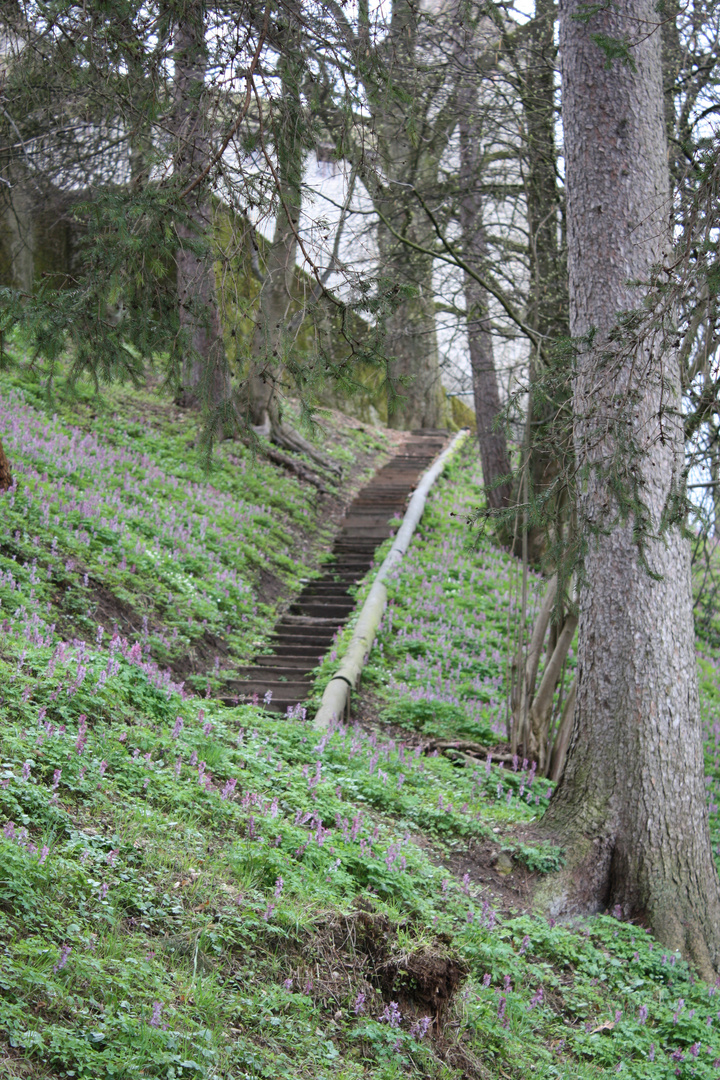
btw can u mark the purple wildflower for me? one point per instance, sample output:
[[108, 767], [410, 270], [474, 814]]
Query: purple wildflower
[[420, 1028], [155, 1018], [391, 1015], [82, 733], [64, 953]]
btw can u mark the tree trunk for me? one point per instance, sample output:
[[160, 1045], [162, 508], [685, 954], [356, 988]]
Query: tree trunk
[[415, 396], [5, 473], [631, 809], [715, 479], [672, 63], [491, 440], [548, 301], [494, 455], [205, 374], [275, 330], [21, 207], [271, 338]]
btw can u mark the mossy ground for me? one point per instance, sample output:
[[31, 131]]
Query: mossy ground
[[189, 890]]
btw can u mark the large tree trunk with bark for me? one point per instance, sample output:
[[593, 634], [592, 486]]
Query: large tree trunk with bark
[[205, 374], [276, 328], [631, 809], [548, 301], [494, 455], [21, 208], [415, 396], [272, 336]]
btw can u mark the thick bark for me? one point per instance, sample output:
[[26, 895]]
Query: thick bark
[[672, 63], [5, 472], [631, 808], [548, 301], [271, 337], [275, 330], [408, 160], [205, 374], [491, 440], [21, 207], [416, 397]]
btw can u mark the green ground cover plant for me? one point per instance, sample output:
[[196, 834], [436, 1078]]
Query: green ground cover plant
[[194, 890], [117, 521]]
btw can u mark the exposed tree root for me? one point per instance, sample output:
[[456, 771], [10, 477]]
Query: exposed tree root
[[302, 471], [5, 472], [289, 439]]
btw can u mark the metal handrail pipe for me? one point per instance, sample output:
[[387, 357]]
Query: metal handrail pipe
[[336, 696]]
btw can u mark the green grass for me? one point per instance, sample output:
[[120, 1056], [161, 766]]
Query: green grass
[[189, 890], [126, 527]]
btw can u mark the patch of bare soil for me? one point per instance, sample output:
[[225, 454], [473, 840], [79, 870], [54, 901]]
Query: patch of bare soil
[[269, 587], [503, 881], [359, 954], [357, 957]]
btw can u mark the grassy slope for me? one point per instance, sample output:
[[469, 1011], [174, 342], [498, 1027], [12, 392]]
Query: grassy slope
[[128, 529], [188, 890]]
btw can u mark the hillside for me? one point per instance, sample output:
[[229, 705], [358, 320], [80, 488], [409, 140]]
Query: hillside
[[191, 890]]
